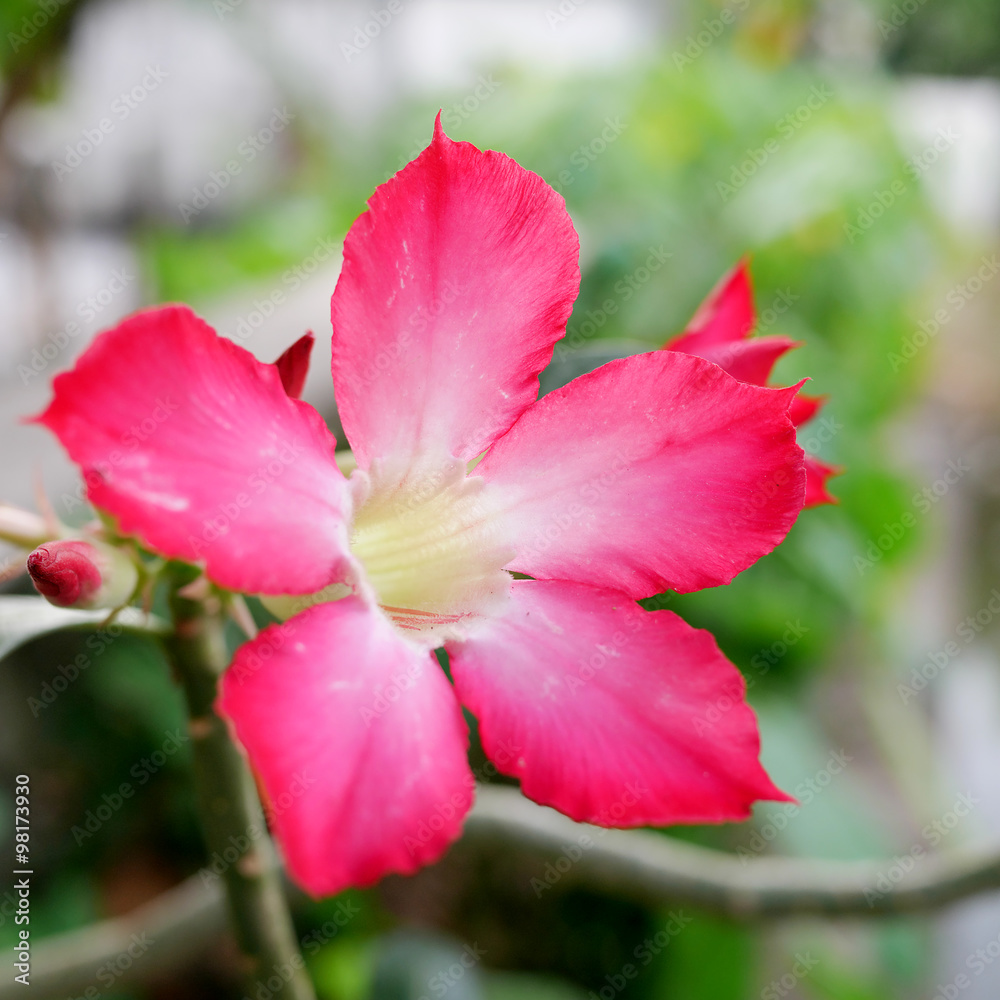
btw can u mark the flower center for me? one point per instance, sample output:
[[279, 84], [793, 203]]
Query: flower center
[[433, 551]]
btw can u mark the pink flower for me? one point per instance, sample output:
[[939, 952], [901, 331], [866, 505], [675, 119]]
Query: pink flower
[[720, 332], [655, 472]]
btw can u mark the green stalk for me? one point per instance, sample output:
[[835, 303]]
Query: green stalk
[[231, 815]]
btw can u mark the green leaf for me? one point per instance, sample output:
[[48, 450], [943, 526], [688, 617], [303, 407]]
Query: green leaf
[[23, 618]]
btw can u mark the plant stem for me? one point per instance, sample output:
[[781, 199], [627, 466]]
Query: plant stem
[[239, 848]]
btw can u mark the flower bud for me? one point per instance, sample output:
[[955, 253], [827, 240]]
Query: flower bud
[[72, 573]]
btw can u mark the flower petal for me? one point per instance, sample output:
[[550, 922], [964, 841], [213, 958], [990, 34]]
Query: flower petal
[[611, 714], [747, 360], [369, 725], [804, 408], [719, 332], [293, 365], [817, 474], [653, 472], [456, 283], [726, 315], [193, 445]]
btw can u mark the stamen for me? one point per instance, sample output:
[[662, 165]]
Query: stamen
[[433, 550]]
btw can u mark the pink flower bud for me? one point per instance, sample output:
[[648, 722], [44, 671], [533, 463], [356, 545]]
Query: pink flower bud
[[71, 573]]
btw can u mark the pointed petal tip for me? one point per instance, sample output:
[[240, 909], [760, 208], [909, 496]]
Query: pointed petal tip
[[818, 473], [727, 312], [293, 365], [804, 408], [666, 737]]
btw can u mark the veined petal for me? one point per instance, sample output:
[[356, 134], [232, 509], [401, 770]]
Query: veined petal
[[726, 315], [372, 730], [194, 446], [611, 714], [456, 283], [655, 472]]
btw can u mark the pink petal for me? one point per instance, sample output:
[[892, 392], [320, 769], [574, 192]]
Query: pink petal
[[653, 472], [804, 408], [456, 284], [817, 473], [193, 445], [726, 315], [611, 714], [293, 365], [718, 333], [358, 741], [747, 360]]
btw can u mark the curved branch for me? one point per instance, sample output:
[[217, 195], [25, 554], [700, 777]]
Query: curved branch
[[654, 869], [636, 864], [178, 925]]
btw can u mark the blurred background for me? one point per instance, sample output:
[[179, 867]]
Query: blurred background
[[217, 152]]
